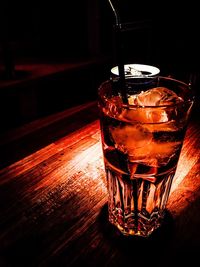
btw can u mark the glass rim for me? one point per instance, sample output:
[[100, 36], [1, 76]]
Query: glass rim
[[187, 87]]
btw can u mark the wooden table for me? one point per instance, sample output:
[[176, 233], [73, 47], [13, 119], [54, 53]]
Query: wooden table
[[53, 200]]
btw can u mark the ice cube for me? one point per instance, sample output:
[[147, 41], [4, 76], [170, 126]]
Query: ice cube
[[157, 115], [147, 100], [132, 99], [136, 170], [130, 137], [158, 96], [154, 154], [113, 106], [144, 115]]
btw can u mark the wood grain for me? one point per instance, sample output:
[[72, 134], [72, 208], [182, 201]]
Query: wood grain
[[53, 205]]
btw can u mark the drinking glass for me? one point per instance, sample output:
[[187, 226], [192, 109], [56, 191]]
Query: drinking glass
[[142, 139]]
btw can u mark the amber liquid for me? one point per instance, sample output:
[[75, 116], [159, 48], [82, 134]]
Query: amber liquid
[[140, 162]]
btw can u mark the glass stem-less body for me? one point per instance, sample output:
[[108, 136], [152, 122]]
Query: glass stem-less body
[[141, 149], [139, 188]]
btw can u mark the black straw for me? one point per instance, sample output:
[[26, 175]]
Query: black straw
[[119, 48]]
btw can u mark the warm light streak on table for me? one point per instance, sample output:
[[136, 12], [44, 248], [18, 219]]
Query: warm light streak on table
[[53, 208]]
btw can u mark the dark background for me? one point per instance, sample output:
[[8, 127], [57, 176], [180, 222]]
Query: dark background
[[80, 29], [35, 32]]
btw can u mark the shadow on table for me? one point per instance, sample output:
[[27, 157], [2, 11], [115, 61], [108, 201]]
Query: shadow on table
[[159, 249]]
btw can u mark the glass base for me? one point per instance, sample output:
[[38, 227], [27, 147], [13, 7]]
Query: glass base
[[136, 225]]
